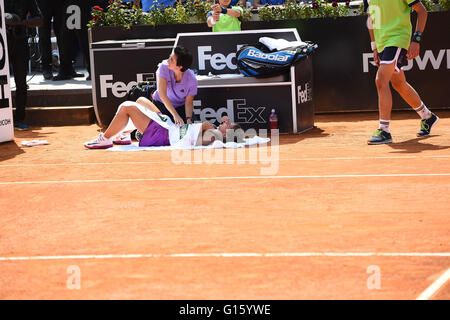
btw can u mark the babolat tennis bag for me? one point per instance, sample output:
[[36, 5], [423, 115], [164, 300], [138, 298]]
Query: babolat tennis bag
[[142, 89], [260, 61]]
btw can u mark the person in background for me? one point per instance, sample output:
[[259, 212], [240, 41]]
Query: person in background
[[272, 2], [70, 34], [102, 4], [51, 10], [224, 17], [19, 15], [148, 5], [247, 3], [134, 2]]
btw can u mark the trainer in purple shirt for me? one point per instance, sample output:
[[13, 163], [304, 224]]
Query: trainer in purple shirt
[[176, 86]]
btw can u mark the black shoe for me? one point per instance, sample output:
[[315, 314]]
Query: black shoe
[[61, 76], [48, 75], [77, 75], [426, 125], [19, 125], [380, 137]]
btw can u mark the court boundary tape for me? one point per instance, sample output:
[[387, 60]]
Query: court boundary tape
[[231, 255], [200, 162], [435, 286], [261, 177]]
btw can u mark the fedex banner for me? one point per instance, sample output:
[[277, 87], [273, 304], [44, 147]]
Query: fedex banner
[[215, 52], [117, 66], [6, 120], [344, 71]]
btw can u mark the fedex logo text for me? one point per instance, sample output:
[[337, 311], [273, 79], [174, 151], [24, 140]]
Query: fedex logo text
[[235, 109], [218, 61], [120, 89]]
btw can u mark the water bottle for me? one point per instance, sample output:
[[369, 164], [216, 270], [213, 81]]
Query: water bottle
[[273, 120]]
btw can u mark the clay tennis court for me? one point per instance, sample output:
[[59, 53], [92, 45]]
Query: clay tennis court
[[336, 217]]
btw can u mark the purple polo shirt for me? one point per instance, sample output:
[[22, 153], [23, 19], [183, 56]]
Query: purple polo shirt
[[176, 91]]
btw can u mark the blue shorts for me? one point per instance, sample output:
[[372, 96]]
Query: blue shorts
[[394, 54]]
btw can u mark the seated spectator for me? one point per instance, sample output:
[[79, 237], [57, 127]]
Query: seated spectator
[[245, 3], [254, 3], [272, 2], [224, 17], [135, 2], [148, 5]]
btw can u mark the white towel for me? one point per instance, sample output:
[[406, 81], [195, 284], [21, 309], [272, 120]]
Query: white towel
[[32, 143], [279, 44], [215, 145]]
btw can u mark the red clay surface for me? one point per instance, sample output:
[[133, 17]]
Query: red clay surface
[[330, 197]]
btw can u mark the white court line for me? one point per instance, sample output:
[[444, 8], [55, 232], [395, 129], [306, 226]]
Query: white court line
[[200, 162], [231, 178], [435, 286], [231, 255]]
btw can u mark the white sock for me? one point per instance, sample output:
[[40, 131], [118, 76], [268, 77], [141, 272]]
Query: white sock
[[384, 125], [103, 136], [423, 111]]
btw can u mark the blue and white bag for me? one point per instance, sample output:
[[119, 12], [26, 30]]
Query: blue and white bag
[[259, 61]]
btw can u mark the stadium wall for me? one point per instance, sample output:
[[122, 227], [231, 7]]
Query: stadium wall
[[344, 73]]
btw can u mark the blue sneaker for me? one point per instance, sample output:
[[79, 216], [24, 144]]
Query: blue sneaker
[[426, 125], [21, 126], [380, 137]]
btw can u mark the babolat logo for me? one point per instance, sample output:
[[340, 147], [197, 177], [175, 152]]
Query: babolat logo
[[236, 110], [267, 56], [218, 61], [120, 89], [304, 94], [5, 122]]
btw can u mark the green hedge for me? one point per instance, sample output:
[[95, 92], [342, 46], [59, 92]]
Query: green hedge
[[194, 11]]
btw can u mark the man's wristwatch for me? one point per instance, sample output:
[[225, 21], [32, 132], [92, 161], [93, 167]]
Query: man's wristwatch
[[417, 37]]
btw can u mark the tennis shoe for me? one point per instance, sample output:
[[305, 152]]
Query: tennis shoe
[[426, 125], [100, 142], [123, 138], [21, 126], [380, 137]]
